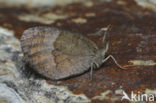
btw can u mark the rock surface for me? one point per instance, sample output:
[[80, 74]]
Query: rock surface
[[132, 40]]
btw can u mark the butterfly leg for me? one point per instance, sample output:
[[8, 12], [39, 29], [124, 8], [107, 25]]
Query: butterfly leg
[[91, 72], [110, 56], [93, 65]]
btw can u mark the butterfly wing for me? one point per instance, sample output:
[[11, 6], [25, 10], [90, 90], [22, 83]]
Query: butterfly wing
[[57, 54]]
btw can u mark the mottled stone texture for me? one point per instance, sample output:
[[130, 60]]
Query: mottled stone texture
[[132, 39]]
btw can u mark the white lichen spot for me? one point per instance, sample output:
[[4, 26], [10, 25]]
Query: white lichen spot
[[118, 91], [121, 2], [151, 4], [139, 34], [142, 62], [37, 3], [65, 2], [88, 4], [6, 31], [90, 14], [103, 95], [52, 16], [113, 97], [79, 20], [47, 18], [150, 91]]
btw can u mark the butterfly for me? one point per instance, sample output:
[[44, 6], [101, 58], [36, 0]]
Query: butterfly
[[59, 54]]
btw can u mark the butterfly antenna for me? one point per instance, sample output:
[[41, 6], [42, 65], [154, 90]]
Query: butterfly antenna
[[105, 33]]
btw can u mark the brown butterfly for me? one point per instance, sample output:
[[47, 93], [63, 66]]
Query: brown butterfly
[[59, 54]]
